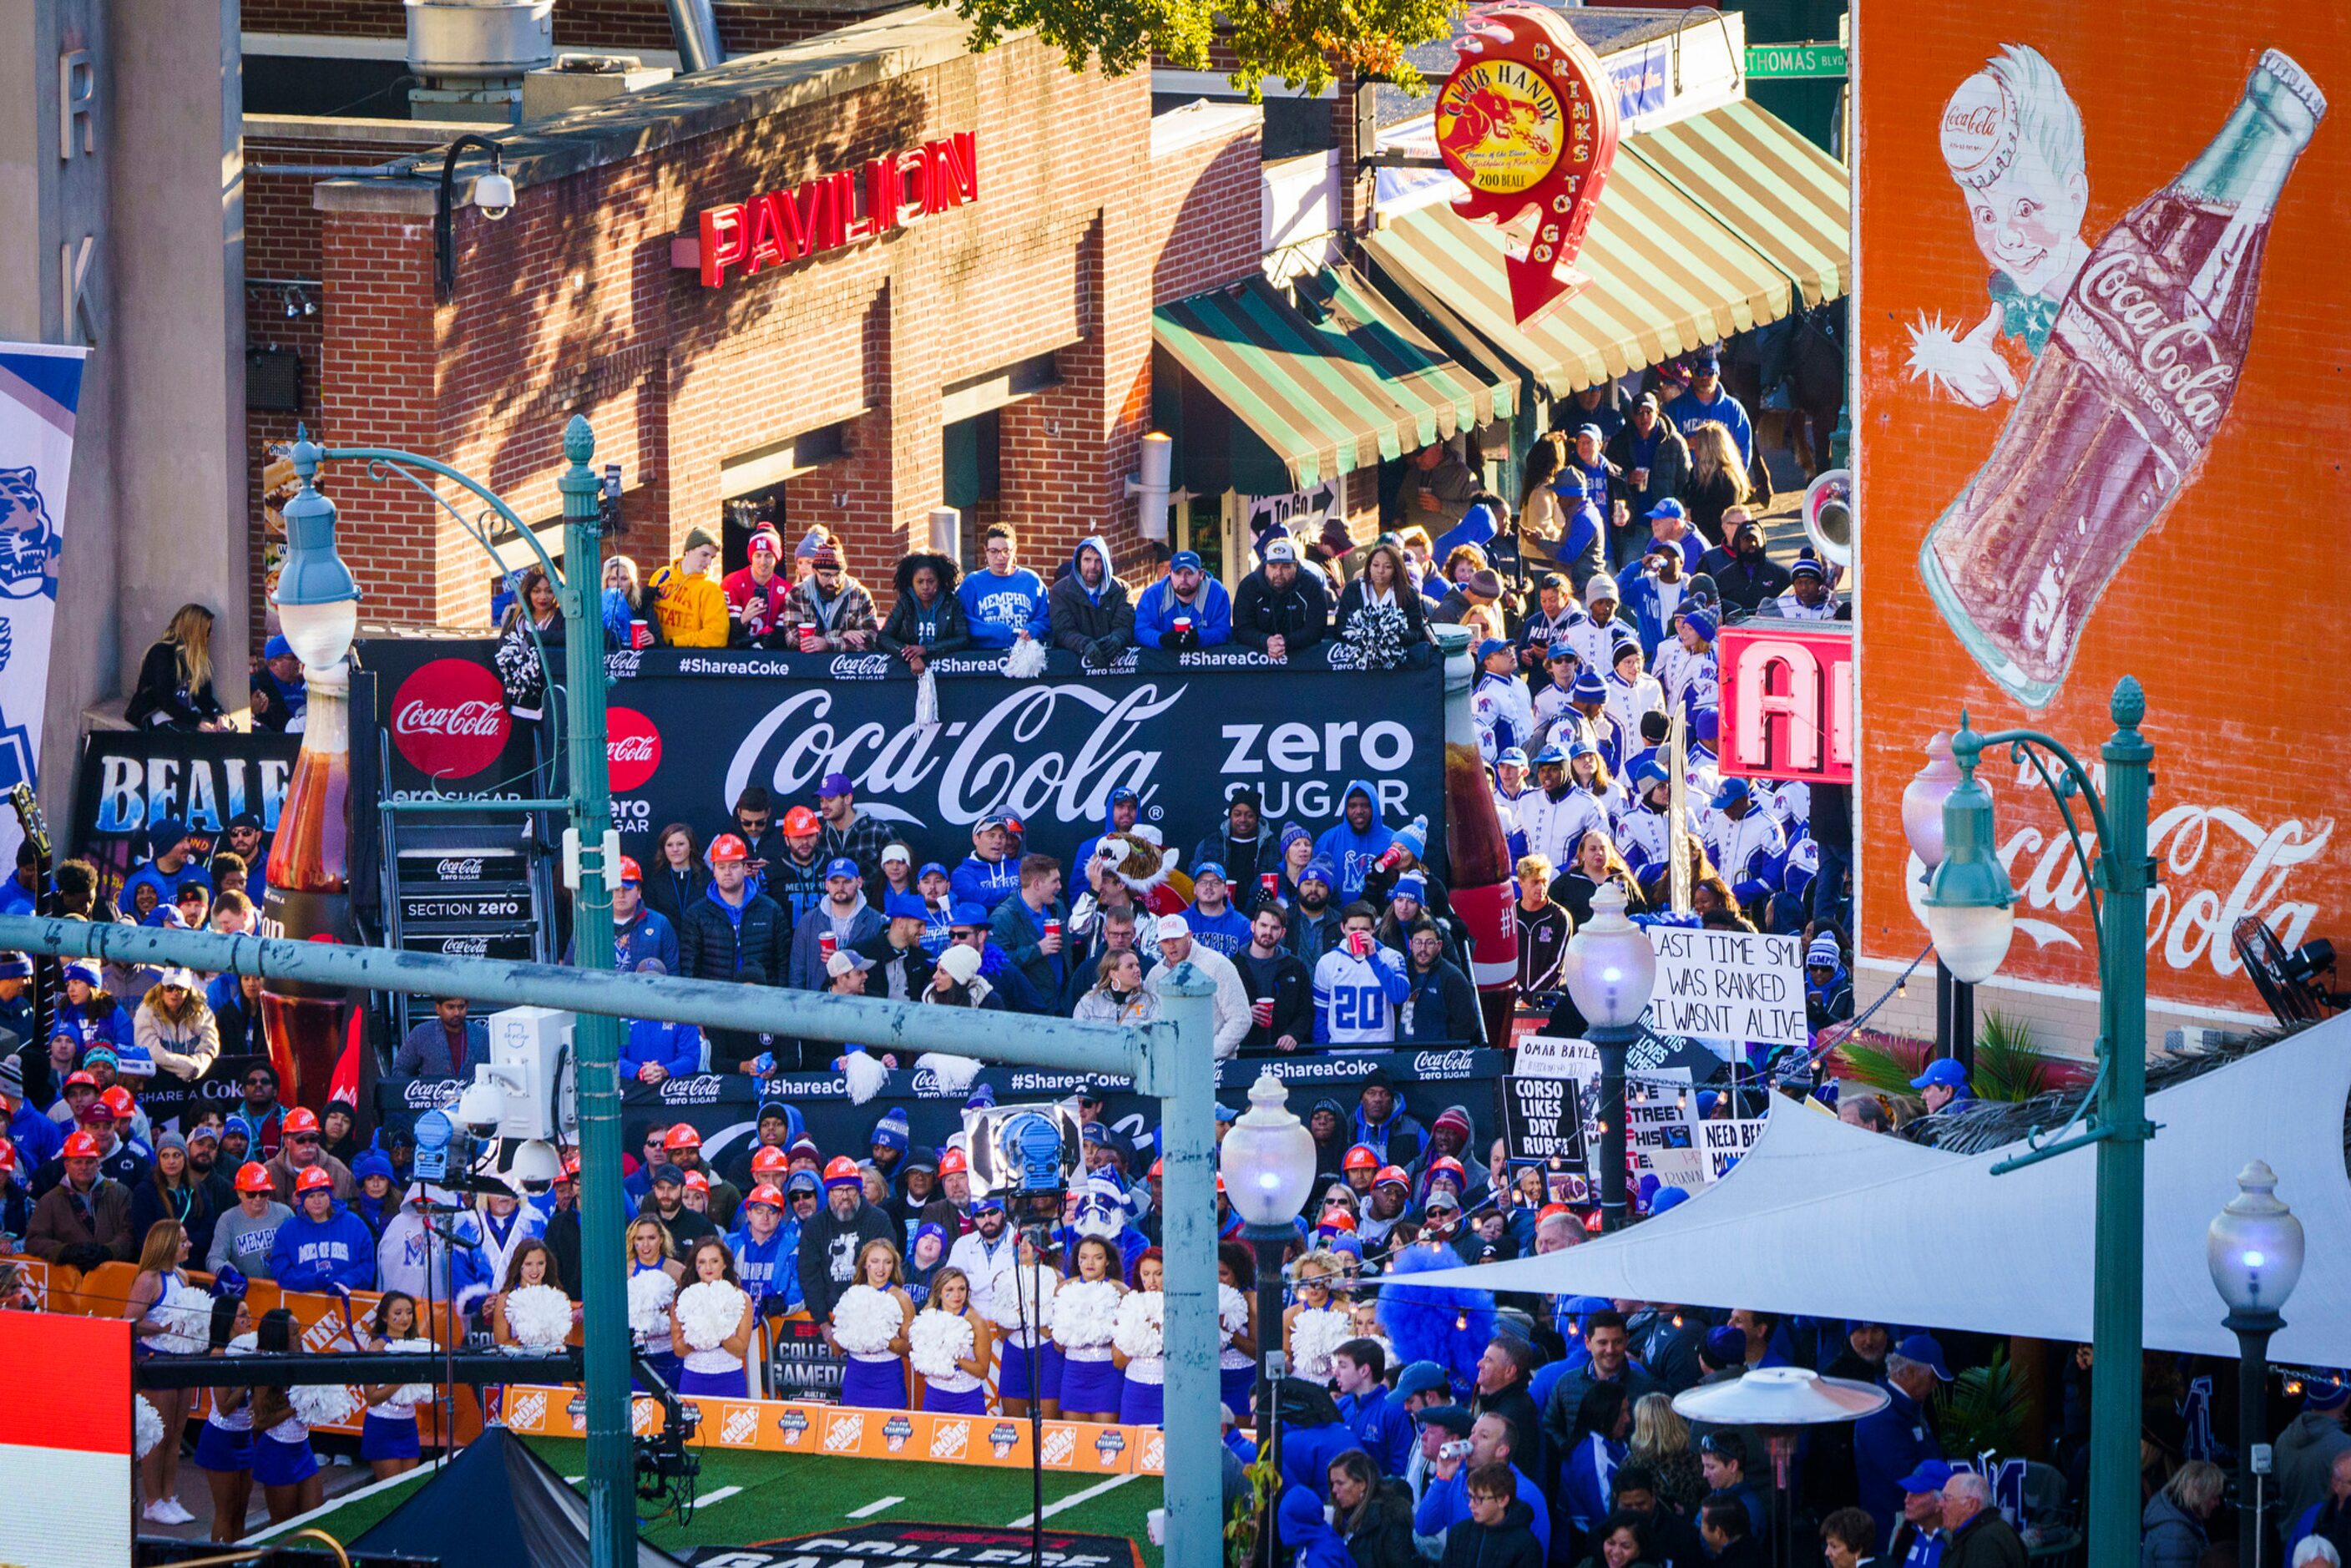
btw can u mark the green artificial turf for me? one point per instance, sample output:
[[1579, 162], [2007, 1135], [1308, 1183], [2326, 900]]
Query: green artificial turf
[[801, 1494]]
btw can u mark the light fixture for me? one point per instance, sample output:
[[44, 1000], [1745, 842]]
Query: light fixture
[[1611, 965], [1970, 909], [1267, 1158], [318, 598], [2254, 1246], [1922, 801]]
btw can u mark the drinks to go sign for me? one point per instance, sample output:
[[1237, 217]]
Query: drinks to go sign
[[1769, 61]]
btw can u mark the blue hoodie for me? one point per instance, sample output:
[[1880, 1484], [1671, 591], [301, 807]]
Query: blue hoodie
[[986, 882], [311, 1254], [1351, 852], [676, 1046], [1308, 1535], [997, 607], [1212, 616]]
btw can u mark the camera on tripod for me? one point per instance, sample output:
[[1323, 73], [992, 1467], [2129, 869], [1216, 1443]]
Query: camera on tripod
[[1022, 1151]]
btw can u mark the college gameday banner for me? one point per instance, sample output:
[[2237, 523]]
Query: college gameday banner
[[2100, 420], [690, 728], [849, 1432]]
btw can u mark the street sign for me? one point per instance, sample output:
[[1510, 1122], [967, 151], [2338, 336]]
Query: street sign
[[1779, 61]]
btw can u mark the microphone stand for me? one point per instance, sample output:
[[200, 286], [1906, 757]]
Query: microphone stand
[[1031, 1311], [450, 1241]]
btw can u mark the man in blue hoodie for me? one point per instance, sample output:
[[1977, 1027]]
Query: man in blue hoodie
[[323, 1244], [987, 876], [1186, 609], [1214, 921], [1006, 604], [1358, 841], [1092, 616]]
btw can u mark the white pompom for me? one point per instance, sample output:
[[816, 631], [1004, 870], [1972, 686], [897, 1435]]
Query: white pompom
[[866, 1320], [1084, 1314], [1027, 660], [183, 1316], [417, 1393], [955, 1073], [936, 1342], [1023, 1296], [321, 1404], [865, 1076], [147, 1426], [1314, 1334], [538, 1316], [1140, 1333], [708, 1311], [650, 1294], [1232, 1314]]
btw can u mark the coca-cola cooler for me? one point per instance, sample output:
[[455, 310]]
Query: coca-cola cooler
[[464, 895]]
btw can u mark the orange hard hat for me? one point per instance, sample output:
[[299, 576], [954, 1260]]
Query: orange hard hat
[[767, 1194], [8, 1156], [312, 1179], [768, 1160], [696, 1182], [119, 1100], [1337, 1219], [79, 1146], [1158, 1165], [681, 1136], [841, 1168], [253, 1176], [571, 1166], [300, 1121], [1361, 1157], [799, 823], [954, 1162], [727, 848], [631, 872]]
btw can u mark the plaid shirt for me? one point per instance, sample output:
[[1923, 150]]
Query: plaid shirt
[[862, 840]]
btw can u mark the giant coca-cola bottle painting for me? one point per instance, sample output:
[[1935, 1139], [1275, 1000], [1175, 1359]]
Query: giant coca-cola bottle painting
[[2141, 363], [308, 898]]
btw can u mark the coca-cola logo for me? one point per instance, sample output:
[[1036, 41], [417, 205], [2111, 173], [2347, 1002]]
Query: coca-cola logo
[[2179, 357], [459, 868], [633, 749], [1978, 130], [1443, 1064], [860, 667], [449, 719], [465, 946]]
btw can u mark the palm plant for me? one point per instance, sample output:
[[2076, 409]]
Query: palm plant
[[1983, 1411], [2009, 1065]]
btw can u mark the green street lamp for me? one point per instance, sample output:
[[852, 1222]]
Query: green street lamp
[[1970, 913]]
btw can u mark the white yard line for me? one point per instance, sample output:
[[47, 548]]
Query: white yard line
[[877, 1506], [573, 1480], [1074, 1499], [352, 1496], [721, 1495]]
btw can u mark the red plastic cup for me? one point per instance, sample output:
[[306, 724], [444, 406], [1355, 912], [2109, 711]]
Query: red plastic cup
[[828, 944], [1052, 928], [639, 634], [1262, 1011], [1359, 942], [809, 640], [1269, 882]]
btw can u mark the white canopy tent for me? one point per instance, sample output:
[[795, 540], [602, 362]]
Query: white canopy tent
[[1825, 1219]]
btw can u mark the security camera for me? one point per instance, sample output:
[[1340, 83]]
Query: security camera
[[534, 1168], [482, 1106], [495, 195]]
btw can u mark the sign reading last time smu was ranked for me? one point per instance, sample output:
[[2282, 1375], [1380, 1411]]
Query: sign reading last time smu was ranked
[[1728, 984]]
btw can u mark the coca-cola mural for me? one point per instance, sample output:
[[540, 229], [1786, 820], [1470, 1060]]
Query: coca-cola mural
[[690, 729], [2097, 339], [448, 718]]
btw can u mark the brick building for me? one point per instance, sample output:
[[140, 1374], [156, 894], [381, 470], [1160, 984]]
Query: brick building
[[994, 353]]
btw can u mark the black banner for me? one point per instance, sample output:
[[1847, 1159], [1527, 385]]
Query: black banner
[[129, 778], [801, 1364], [174, 1103], [1542, 1121], [724, 1106], [690, 728]]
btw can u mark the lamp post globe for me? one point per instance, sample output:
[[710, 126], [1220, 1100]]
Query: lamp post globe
[[1612, 965], [1922, 801], [1970, 909], [1268, 1159], [318, 598], [2254, 1249]]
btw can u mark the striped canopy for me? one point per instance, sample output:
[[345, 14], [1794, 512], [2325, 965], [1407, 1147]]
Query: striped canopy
[[1755, 175]]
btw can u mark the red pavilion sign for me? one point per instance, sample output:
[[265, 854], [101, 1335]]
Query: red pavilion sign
[[1528, 121]]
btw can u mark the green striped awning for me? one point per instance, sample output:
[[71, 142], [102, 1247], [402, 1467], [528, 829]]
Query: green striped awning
[[1758, 178], [1667, 279], [1335, 381]]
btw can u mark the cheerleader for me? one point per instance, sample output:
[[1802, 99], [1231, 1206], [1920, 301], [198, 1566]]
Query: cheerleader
[[1139, 1344], [710, 1325], [530, 1311], [282, 1418], [1086, 1317], [1021, 1301], [224, 1442], [948, 1346], [1236, 1326], [1313, 1326], [388, 1433], [170, 1317], [869, 1323], [653, 1274]]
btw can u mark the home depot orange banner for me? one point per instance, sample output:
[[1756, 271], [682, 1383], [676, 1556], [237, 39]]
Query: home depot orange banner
[[2100, 423], [836, 1431]]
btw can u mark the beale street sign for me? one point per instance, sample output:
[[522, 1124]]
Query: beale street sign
[[1787, 700], [831, 211]]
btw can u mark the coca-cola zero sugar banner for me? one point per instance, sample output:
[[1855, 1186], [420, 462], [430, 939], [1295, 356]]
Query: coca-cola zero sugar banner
[[689, 729], [2098, 431]]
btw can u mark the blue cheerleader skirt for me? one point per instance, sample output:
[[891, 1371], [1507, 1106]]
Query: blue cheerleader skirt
[[1141, 1403], [1091, 1385], [387, 1437], [277, 1464], [955, 1401], [732, 1384], [669, 1363], [217, 1448], [1237, 1385], [1013, 1376], [874, 1385]]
